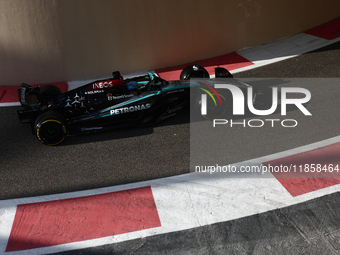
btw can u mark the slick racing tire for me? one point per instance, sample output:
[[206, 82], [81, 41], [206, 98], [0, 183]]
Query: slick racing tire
[[50, 128], [194, 71], [50, 92]]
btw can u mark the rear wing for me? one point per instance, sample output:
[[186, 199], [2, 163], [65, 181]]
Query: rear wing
[[29, 97]]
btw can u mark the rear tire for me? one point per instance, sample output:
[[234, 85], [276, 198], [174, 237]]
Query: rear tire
[[50, 92], [50, 128]]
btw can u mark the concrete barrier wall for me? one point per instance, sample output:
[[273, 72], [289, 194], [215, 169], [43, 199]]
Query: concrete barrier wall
[[59, 40]]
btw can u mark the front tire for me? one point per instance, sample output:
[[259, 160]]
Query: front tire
[[194, 71], [50, 128]]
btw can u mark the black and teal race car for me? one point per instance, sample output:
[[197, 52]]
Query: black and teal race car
[[106, 104]]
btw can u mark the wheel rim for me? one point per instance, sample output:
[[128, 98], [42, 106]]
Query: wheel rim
[[51, 132]]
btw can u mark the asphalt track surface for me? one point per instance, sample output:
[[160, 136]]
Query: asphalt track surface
[[29, 168]]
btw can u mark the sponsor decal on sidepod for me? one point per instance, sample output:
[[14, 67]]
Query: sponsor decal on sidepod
[[130, 109]]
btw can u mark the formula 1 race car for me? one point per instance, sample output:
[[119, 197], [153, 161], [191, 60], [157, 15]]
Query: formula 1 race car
[[106, 104]]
